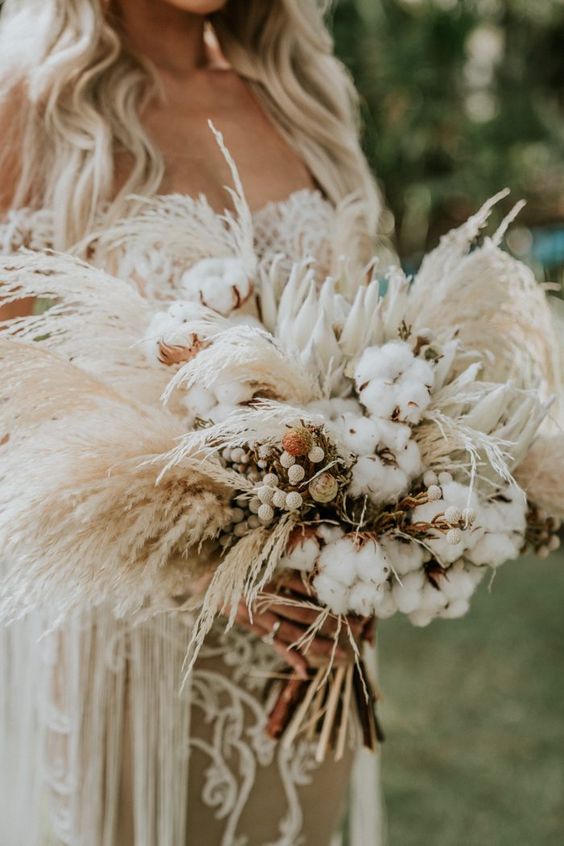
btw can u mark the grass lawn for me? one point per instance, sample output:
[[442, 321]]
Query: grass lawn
[[474, 717]]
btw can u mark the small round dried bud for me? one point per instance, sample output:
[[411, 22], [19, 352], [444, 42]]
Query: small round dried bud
[[241, 529], [264, 493], [452, 514], [542, 515], [468, 516], [286, 460], [554, 543], [263, 451], [237, 454], [262, 463], [316, 454], [245, 458], [253, 521], [254, 475], [254, 505], [430, 478], [434, 493], [297, 441], [279, 498], [445, 478], [294, 501], [454, 536], [265, 513], [224, 540], [237, 514], [324, 488], [226, 454], [295, 474], [270, 479], [543, 552]]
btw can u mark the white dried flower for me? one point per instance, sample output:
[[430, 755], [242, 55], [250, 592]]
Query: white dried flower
[[430, 478], [253, 522], [295, 474], [254, 504], [279, 498], [265, 494], [316, 454], [270, 479], [468, 516], [453, 514], [287, 460], [241, 529], [294, 500], [265, 513], [237, 514], [434, 493], [445, 478]]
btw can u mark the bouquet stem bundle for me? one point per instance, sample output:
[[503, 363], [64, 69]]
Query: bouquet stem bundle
[[319, 707]]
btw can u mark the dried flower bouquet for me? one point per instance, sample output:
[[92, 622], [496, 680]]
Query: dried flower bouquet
[[376, 439]]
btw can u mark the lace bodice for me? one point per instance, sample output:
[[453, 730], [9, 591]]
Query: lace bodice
[[154, 254]]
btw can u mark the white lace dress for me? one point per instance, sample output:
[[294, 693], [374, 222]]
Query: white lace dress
[[98, 746]]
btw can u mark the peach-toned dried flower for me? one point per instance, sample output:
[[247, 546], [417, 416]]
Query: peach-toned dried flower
[[297, 441]]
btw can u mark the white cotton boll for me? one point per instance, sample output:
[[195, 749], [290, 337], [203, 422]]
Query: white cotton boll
[[303, 555], [328, 533], [409, 459], [217, 295], [421, 371], [334, 408], [432, 600], [338, 560], [404, 556], [407, 593], [233, 393], [384, 363], [371, 562], [220, 412], [359, 434], [411, 398], [495, 548], [363, 598], [331, 593], [421, 618], [381, 482], [456, 583], [379, 397], [386, 607], [199, 401], [457, 495], [394, 435], [445, 551], [456, 609], [222, 284], [428, 511]]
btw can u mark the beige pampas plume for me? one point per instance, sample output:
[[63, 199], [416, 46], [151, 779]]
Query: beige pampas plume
[[541, 474], [95, 319], [84, 518], [491, 302]]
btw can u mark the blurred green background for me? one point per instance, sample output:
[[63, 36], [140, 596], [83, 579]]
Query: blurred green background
[[459, 100]]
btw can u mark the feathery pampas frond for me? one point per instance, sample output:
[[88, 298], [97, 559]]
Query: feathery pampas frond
[[82, 518]]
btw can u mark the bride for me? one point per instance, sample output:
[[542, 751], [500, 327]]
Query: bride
[[105, 108]]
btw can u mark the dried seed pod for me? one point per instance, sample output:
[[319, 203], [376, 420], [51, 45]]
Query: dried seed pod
[[286, 460], [265, 513], [295, 474], [434, 493], [452, 514], [454, 536], [297, 441], [294, 501], [279, 498], [316, 454], [324, 488], [270, 479]]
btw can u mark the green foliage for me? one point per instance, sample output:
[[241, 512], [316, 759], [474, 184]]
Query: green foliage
[[460, 99]]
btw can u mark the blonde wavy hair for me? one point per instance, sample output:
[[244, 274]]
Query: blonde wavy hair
[[76, 93]]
